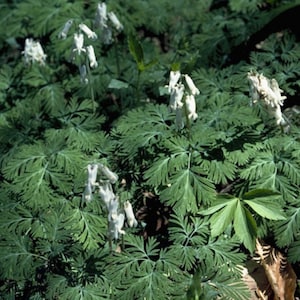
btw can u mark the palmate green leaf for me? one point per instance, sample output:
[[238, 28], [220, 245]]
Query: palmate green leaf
[[221, 219], [266, 203], [245, 226]]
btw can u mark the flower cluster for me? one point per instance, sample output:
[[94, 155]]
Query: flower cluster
[[104, 20], [33, 52], [78, 46], [116, 216], [182, 96], [268, 92]]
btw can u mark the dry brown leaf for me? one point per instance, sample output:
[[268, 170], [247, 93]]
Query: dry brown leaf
[[278, 271]]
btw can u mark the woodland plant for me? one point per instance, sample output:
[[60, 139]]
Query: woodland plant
[[149, 149]]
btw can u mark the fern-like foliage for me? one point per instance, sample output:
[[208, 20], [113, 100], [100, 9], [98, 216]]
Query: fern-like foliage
[[144, 270]]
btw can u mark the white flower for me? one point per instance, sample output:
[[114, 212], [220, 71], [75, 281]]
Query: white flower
[[63, 34], [78, 42], [190, 83], [174, 78], [89, 33], [176, 96], [132, 222], [83, 74], [113, 206], [111, 176], [91, 56], [34, 52], [191, 107], [114, 19], [106, 193], [115, 225], [92, 174], [267, 91], [101, 15]]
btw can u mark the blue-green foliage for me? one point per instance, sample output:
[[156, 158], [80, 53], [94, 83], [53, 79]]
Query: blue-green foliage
[[202, 194]]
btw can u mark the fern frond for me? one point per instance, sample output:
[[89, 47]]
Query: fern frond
[[18, 253], [286, 231], [143, 270], [89, 227]]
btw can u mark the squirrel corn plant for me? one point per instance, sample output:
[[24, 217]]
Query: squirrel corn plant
[[141, 157]]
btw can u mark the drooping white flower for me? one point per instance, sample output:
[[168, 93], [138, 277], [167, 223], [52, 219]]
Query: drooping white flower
[[269, 93], [92, 57], [101, 15], [132, 222], [33, 52], [78, 43], [190, 103], [115, 225], [176, 97], [191, 85], [174, 78], [89, 33], [113, 206], [106, 193], [115, 21], [83, 74], [92, 174], [111, 176], [64, 32]]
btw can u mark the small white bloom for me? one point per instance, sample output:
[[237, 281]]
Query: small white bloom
[[101, 15], [132, 222], [92, 174], [78, 43], [176, 97], [174, 78], [89, 33], [190, 83], [113, 207], [34, 52], [91, 56], [63, 34], [191, 107], [114, 19], [116, 224], [267, 91], [106, 193], [83, 74], [111, 176]]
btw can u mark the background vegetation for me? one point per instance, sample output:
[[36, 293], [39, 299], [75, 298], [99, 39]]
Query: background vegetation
[[208, 197]]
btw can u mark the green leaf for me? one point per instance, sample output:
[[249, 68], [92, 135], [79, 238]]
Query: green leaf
[[222, 200], [136, 51], [117, 84], [245, 226], [223, 216], [258, 193], [266, 208]]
